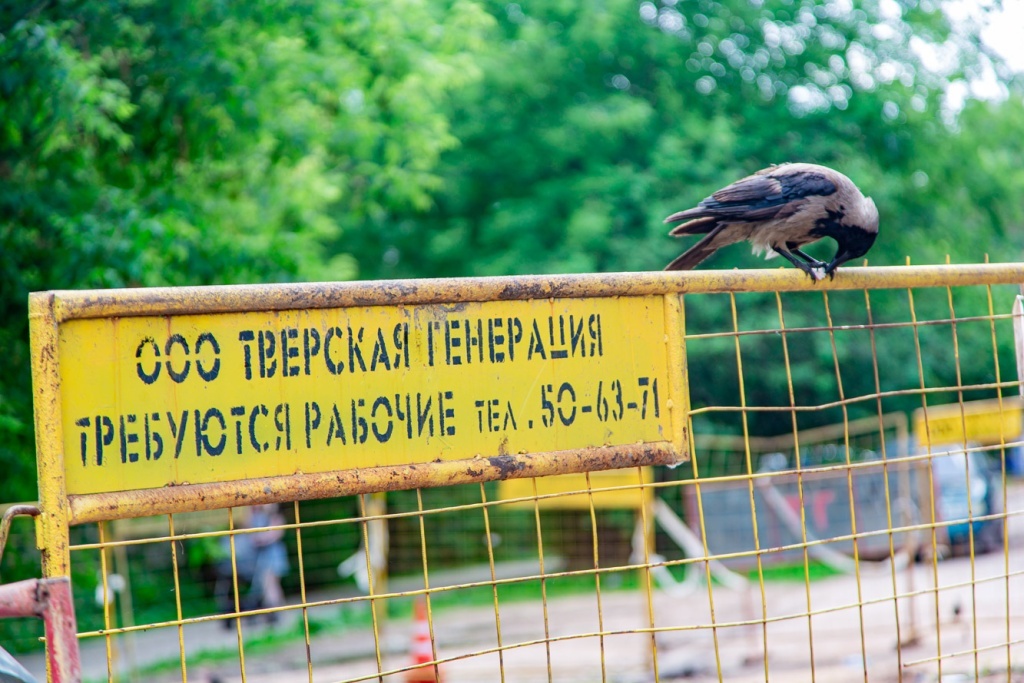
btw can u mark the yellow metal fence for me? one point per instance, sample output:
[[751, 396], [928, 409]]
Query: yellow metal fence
[[810, 537]]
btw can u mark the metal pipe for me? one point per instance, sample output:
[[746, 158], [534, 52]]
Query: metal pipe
[[50, 600], [62, 652], [9, 515], [143, 503], [70, 304]]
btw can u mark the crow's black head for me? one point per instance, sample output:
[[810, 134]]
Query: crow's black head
[[854, 229]]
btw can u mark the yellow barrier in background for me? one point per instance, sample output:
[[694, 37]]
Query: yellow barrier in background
[[986, 422]]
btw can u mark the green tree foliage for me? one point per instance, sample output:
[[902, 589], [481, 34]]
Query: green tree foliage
[[168, 143], [591, 123]]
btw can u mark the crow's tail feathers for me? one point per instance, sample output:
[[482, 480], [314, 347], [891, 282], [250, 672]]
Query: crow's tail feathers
[[689, 259]]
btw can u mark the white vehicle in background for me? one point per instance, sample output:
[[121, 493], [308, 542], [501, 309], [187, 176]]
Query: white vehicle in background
[[968, 486]]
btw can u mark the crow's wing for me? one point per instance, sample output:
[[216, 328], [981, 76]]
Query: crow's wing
[[745, 191], [757, 197]]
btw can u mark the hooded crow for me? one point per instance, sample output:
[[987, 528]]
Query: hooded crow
[[779, 210]]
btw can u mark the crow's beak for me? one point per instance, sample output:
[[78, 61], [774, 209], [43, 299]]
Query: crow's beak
[[840, 258]]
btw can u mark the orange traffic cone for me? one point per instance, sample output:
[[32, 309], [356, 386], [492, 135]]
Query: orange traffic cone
[[422, 653]]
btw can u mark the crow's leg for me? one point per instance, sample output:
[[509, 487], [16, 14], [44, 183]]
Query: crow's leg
[[806, 267], [807, 257]]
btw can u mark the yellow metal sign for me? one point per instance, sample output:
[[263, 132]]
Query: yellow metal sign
[[164, 400], [986, 422], [607, 490]]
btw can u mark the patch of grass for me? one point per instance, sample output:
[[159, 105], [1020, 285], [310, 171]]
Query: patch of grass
[[264, 642], [794, 573], [529, 590]]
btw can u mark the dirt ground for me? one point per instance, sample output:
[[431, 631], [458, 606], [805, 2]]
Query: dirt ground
[[843, 641], [848, 643], [852, 634]]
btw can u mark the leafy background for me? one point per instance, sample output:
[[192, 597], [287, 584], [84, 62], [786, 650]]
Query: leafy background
[[174, 143]]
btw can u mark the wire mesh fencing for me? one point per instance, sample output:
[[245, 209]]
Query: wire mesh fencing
[[852, 510]]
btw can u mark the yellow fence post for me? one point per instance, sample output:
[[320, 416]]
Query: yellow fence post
[[52, 522]]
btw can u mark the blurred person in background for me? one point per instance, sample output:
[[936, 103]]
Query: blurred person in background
[[261, 560]]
